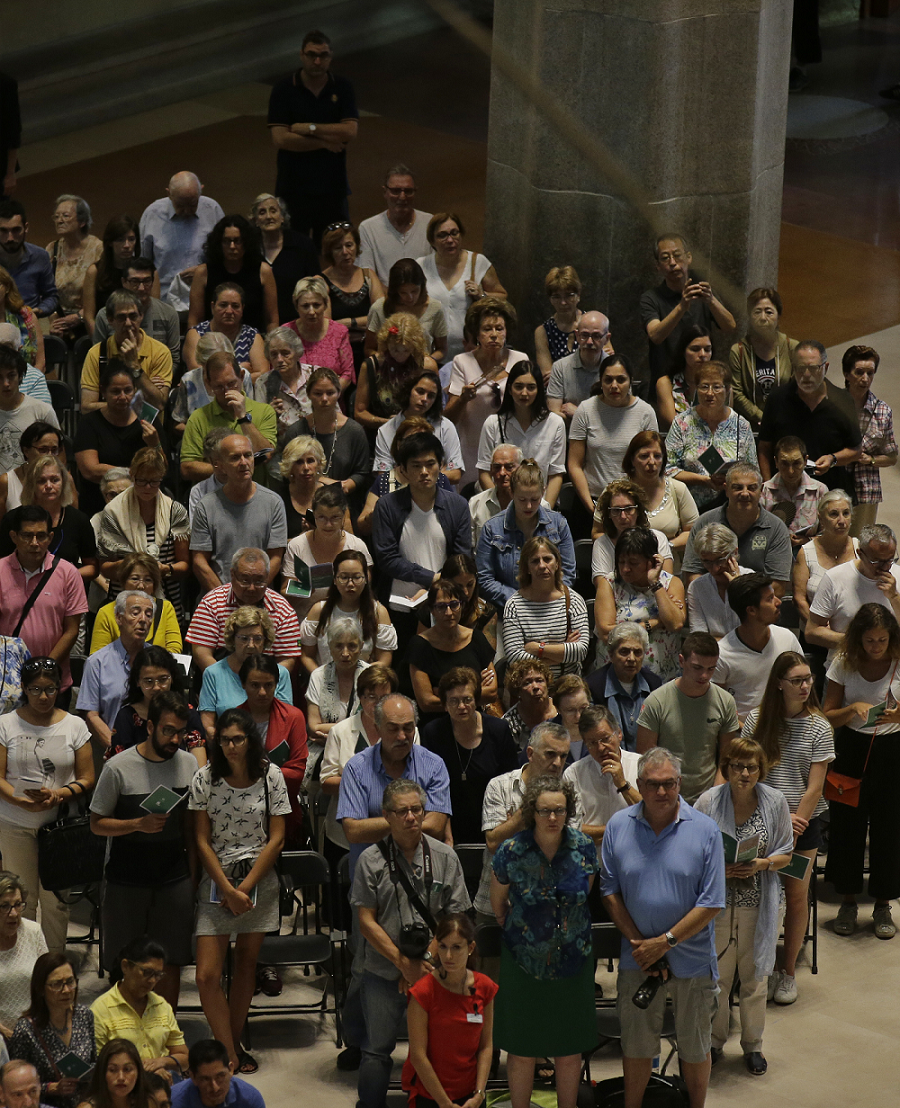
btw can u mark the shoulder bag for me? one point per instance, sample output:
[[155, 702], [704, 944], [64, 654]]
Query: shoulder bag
[[841, 787]]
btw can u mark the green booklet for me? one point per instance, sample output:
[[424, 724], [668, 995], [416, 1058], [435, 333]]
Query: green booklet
[[744, 851], [875, 713], [309, 578], [797, 867], [279, 754], [161, 801], [70, 1065]]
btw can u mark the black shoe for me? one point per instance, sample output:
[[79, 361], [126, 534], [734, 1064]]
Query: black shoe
[[715, 1054], [756, 1063], [349, 1059], [892, 93]]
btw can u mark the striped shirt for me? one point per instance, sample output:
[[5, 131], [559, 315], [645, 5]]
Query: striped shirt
[[810, 739], [534, 621], [208, 625]]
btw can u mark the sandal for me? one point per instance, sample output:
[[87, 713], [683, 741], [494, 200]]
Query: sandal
[[247, 1064], [545, 1073]]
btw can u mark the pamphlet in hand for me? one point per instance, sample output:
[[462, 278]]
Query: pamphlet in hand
[[161, 801], [309, 578], [797, 867], [148, 412], [184, 660], [407, 603], [875, 713], [70, 1065], [28, 782], [279, 754], [744, 851], [712, 461], [215, 897]]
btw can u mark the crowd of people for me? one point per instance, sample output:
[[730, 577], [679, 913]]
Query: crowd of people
[[323, 540]]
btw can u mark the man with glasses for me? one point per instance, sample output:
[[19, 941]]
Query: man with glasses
[[151, 859], [160, 320], [392, 962], [605, 781], [663, 884], [312, 118], [573, 377], [823, 416], [399, 232], [872, 577], [249, 587], [505, 460]]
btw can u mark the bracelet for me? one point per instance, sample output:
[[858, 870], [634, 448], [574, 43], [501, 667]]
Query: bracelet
[[541, 650], [833, 460], [656, 586]]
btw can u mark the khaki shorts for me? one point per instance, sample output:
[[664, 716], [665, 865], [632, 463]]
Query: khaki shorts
[[695, 1002]]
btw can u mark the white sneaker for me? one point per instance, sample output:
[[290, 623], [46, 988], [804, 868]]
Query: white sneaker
[[786, 992], [884, 925], [774, 982]]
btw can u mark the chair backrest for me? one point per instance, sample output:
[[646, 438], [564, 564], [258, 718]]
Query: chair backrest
[[488, 937], [565, 502], [584, 549], [607, 941], [63, 400], [56, 353], [471, 858]]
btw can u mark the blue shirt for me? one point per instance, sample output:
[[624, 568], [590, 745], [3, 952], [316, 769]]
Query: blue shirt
[[222, 688], [104, 684], [34, 280], [175, 242], [500, 545], [241, 1094], [662, 877], [35, 384], [364, 780], [606, 689]]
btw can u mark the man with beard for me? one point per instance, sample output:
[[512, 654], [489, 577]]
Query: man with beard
[[149, 884], [29, 266]]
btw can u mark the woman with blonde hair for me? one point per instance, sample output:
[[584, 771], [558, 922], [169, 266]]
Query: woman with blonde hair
[[326, 343], [555, 337], [301, 467], [352, 289], [402, 351], [14, 310]]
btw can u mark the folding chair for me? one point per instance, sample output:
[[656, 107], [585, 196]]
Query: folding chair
[[471, 857], [63, 399]]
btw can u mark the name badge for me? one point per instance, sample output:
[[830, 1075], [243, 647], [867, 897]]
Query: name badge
[[474, 1017]]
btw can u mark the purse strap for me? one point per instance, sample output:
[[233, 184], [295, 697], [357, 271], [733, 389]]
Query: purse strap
[[568, 611], [31, 601], [875, 732], [40, 1039]]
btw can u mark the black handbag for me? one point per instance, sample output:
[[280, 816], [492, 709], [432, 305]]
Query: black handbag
[[70, 855]]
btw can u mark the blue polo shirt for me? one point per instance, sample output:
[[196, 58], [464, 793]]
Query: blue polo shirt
[[241, 1094], [662, 877], [104, 684], [364, 780]]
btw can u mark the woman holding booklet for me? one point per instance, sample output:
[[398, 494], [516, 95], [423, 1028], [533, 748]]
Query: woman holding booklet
[[755, 822]]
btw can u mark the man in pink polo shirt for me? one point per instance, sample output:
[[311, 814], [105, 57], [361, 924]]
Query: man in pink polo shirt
[[50, 628]]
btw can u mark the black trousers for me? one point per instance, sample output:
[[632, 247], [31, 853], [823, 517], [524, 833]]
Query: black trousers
[[311, 212]]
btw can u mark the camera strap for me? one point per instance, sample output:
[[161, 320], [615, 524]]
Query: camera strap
[[398, 877]]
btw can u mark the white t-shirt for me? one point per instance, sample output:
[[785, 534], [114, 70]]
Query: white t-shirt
[[856, 688], [38, 757], [422, 541], [444, 429], [604, 552], [16, 966], [842, 592], [381, 244], [299, 547], [606, 433], [544, 441], [744, 672], [707, 611], [312, 634]]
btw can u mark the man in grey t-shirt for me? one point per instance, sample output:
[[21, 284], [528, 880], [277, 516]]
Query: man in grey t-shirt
[[573, 377], [240, 513], [396, 233]]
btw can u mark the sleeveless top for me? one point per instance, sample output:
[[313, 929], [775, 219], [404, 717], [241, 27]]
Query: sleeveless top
[[346, 304], [248, 279], [816, 570], [557, 340]]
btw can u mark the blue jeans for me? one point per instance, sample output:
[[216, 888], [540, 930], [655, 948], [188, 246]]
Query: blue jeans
[[353, 1024], [384, 1009]]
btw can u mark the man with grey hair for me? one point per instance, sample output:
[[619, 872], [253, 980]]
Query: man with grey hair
[[573, 377], [174, 231], [104, 684], [400, 231], [764, 543], [249, 577], [663, 884], [402, 883], [605, 781], [505, 460], [211, 444], [34, 383], [160, 320], [624, 683], [871, 578]]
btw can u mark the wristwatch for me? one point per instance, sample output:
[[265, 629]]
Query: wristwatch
[[428, 957], [245, 419], [670, 939]]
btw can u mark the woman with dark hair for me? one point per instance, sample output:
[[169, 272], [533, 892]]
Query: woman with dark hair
[[621, 507], [407, 292], [352, 289], [524, 420], [477, 613], [54, 1025], [761, 361], [540, 884], [240, 800], [670, 506], [120, 245], [876, 421], [350, 594], [153, 671], [119, 1080], [450, 1020], [420, 395], [326, 343], [227, 318], [234, 255], [798, 742], [675, 390], [37, 440], [641, 591], [863, 675], [402, 351], [291, 254], [14, 310]]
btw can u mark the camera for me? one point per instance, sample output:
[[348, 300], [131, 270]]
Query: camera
[[414, 940], [649, 987]]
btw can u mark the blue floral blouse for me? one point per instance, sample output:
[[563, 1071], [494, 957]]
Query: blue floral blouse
[[548, 928]]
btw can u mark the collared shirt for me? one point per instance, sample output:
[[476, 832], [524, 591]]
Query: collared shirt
[[241, 1094], [596, 790], [204, 419], [34, 280], [154, 1033], [160, 322], [765, 547], [805, 500], [104, 684], [153, 358], [606, 688], [571, 380], [876, 422], [662, 877], [208, 624], [175, 242]]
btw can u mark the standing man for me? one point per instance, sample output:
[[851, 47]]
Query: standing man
[[151, 858], [792, 485], [678, 301], [173, 233], [505, 460], [399, 232], [573, 377], [663, 883], [29, 266], [691, 716], [160, 320], [606, 781], [312, 117]]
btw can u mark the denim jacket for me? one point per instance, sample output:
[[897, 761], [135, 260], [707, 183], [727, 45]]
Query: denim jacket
[[500, 545]]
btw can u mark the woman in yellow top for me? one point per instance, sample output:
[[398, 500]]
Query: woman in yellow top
[[140, 571]]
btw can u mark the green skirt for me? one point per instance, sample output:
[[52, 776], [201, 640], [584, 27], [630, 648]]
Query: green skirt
[[544, 1018]]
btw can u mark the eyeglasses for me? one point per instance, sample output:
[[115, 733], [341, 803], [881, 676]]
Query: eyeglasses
[[235, 740], [19, 906], [413, 810], [33, 538], [460, 701], [147, 973], [46, 690], [47, 450], [139, 282], [250, 582], [143, 483], [877, 561], [627, 510], [447, 234], [739, 767], [668, 784], [799, 682], [350, 578], [716, 390], [446, 606], [152, 682], [343, 225], [546, 813], [61, 986], [250, 640], [675, 256]]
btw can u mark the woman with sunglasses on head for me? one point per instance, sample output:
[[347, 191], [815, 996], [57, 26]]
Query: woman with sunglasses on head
[[55, 1025], [240, 800], [420, 395], [798, 742], [45, 761], [407, 292], [675, 391], [118, 1080], [352, 289], [35, 441]]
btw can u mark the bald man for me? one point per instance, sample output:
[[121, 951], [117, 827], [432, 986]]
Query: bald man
[[173, 233], [572, 377]]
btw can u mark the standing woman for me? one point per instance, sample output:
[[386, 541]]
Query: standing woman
[[407, 292], [233, 254], [539, 894], [863, 674], [331, 694], [420, 395], [747, 927], [402, 352], [555, 337], [70, 256], [326, 343], [456, 277], [876, 421], [670, 506], [450, 1019], [241, 802], [290, 254], [352, 289], [761, 361], [621, 507], [227, 318], [120, 240], [799, 743], [45, 761], [479, 376], [675, 391], [524, 420]]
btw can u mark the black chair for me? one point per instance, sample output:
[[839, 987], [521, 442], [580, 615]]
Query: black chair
[[80, 352], [565, 502], [63, 400], [584, 549], [471, 858], [56, 354], [789, 616]]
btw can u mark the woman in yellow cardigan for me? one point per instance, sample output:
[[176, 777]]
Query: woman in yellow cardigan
[[761, 361], [140, 571]]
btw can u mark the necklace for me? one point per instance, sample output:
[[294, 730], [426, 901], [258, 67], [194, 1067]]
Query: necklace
[[61, 1030], [334, 434], [464, 769]]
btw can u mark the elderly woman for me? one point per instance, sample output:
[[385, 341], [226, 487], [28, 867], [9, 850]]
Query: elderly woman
[[290, 254], [139, 572], [120, 244], [402, 351], [702, 441], [407, 292], [420, 395], [326, 344], [747, 927], [331, 693], [227, 318], [21, 944], [670, 506], [624, 683], [641, 591], [38, 439], [876, 421], [571, 696], [283, 386], [71, 254], [247, 631], [232, 254], [14, 310], [707, 595], [539, 894], [456, 277], [144, 520], [621, 507], [352, 289], [555, 337], [761, 361], [675, 390], [545, 619], [479, 376], [527, 686]]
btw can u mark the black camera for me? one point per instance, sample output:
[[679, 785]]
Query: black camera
[[648, 989], [414, 940]]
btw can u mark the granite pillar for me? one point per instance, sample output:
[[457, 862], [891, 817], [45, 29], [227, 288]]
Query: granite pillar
[[677, 111]]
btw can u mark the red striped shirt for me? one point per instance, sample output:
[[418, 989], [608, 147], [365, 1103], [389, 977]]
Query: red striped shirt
[[208, 625]]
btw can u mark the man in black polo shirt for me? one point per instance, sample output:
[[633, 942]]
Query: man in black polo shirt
[[804, 407], [312, 117]]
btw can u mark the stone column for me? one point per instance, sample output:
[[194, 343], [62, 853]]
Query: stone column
[[688, 97]]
